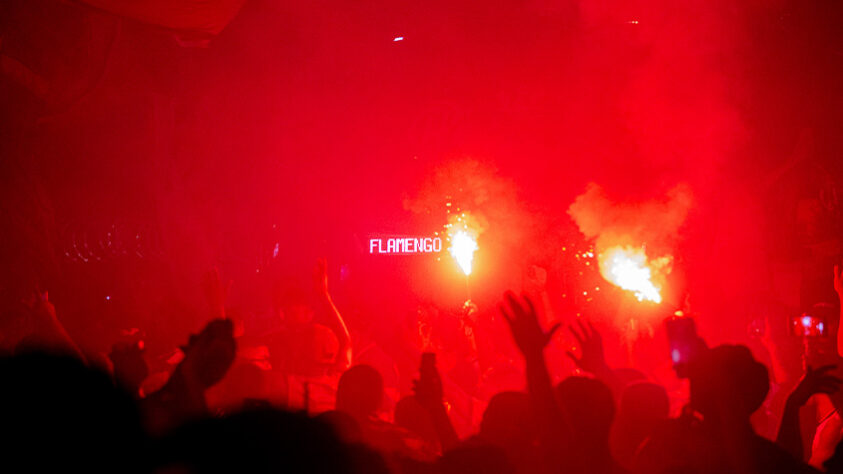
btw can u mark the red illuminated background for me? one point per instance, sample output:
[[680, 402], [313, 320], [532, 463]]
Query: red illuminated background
[[137, 153]]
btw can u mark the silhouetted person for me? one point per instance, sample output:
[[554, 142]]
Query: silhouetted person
[[32, 325], [255, 441], [643, 407], [344, 425], [789, 436], [573, 422], [834, 464], [58, 415], [302, 346], [412, 416], [589, 407], [429, 393], [207, 357], [715, 435], [129, 367], [360, 394], [508, 424]]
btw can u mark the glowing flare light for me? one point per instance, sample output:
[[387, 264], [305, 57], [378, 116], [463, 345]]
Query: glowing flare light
[[463, 230], [462, 248], [629, 268]]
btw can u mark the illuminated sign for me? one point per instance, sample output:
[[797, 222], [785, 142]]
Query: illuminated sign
[[405, 245]]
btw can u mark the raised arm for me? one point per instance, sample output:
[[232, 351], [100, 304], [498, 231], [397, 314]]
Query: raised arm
[[592, 357], [535, 285], [335, 319], [813, 382], [429, 393], [48, 327], [531, 340]]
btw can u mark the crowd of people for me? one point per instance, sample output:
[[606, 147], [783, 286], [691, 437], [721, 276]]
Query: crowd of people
[[219, 409]]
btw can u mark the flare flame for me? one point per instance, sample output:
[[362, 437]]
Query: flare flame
[[463, 240], [629, 268]]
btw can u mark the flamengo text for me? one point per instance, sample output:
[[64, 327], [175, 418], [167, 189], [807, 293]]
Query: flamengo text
[[405, 245]]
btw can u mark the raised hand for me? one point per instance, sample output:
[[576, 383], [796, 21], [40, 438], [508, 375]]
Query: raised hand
[[592, 358], [523, 321], [535, 279], [209, 354], [42, 306], [814, 382]]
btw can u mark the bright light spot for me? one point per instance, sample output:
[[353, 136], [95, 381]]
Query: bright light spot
[[462, 230], [462, 249], [108, 298], [806, 321], [632, 22], [629, 268], [675, 356], [398, 38]]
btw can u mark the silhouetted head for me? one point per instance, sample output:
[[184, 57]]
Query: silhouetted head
[[360, 391], [728, 381], [628, 375], [589, 405], [643, 406], [59, 415], [508, 419], [294, 305], [263, 440], [644, 402]]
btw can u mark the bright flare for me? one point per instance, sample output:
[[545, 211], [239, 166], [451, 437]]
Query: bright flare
[[462, 249], [629, 268]]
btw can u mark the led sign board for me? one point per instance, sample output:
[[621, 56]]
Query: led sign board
[[404, 245]]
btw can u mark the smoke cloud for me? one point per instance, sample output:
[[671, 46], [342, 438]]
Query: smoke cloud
[[490, 202], [654, 223]]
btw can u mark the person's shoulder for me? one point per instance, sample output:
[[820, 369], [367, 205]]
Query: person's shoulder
[[674, 444], [774, 458]]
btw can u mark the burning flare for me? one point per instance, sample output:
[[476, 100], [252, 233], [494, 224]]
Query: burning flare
[[629, 268], [462, 249], [619, 230], [463, 242]]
